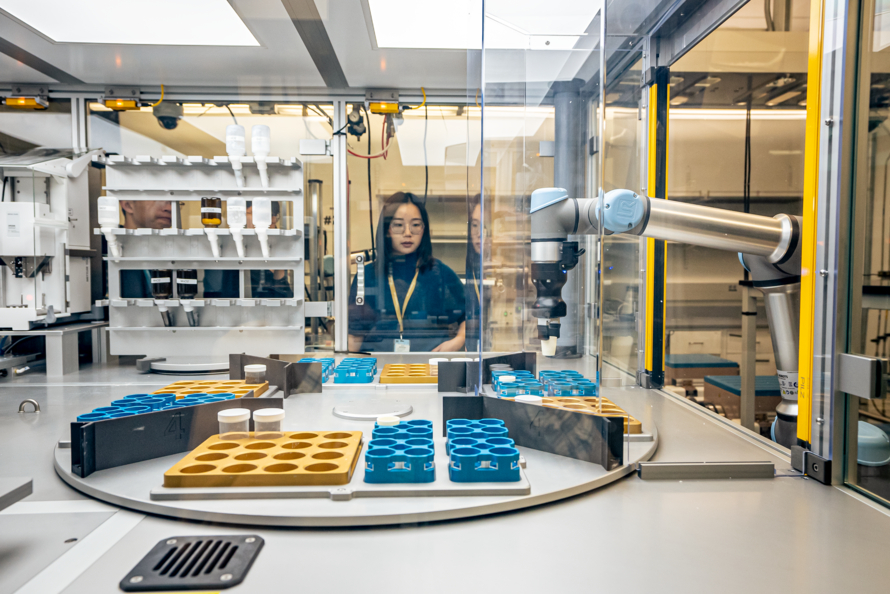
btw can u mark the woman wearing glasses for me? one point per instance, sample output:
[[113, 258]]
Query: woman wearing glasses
[[412, 301]]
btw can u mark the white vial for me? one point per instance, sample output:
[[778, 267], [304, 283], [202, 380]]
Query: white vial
[[267, 423], [234, 423], [254, 374]]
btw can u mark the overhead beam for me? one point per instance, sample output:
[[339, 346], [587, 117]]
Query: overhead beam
[[31, 61], [305, 17]]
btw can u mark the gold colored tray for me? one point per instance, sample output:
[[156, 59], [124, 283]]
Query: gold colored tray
[[298, 458], [589, 405], [237, 387], [413, 373]]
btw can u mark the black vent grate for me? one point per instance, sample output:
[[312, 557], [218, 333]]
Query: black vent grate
[[194, 563]]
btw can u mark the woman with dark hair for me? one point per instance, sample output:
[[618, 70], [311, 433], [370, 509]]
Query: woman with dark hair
[[411, 301]]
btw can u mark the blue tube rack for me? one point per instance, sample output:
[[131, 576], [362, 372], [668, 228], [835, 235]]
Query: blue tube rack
[[402, 453], [481, 452], [136, 404], [327, 365], [356, 370]]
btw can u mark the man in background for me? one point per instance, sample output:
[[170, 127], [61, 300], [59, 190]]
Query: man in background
[[142, 214]]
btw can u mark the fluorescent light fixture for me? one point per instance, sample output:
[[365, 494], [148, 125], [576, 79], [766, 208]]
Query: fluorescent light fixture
[[457, 24], [161, 22], [736, 114]]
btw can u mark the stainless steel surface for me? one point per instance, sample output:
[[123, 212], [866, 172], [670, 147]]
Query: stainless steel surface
[[357, 488], [369, 410], [546, 251], [748, 367], [13, 490], [783, 314], [679, 471], [862, 376], [341, 231], [759, 520], [315, 267], [192, 365], [715, 228]]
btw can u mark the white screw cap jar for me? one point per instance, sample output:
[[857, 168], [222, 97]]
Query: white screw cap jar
[[388, 420], [234, 423], [267, 423], [254, 374]]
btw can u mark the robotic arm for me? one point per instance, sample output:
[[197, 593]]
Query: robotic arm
[[769, 248]]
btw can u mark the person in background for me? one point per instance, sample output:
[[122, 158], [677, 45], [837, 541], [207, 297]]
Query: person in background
[[412, 301], [142, 214], [264, 284]]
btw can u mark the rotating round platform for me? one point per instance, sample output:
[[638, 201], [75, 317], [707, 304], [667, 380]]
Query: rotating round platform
[[546, 478]]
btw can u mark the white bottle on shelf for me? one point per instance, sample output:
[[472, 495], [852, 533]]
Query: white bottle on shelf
[[236, 148], [109, 218], [236, 211], [262, 220], [261, 145]]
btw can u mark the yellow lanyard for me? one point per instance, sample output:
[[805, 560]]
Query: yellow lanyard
[[400, 310], [476, 286]]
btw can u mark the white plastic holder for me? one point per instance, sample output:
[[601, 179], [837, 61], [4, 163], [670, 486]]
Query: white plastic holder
[[238, 236], [114, 246], [213, 237], [263, 235]]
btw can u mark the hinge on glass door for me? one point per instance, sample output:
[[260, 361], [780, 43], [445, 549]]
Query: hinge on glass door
[[594, 145], [862, 376]]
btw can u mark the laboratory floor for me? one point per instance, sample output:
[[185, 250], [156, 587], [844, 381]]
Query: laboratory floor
[[788, 534]]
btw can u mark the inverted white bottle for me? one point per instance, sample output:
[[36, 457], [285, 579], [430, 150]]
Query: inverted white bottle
[[260, 146], [236, 148], [262, 220], [236, 212], [109, 218]]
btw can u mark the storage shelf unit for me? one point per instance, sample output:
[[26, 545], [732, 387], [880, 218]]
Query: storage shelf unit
[[225, 325]]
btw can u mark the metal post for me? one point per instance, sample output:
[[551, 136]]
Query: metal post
[[314, 270], [341, 232], [749, 356], [570, 133], [61, 354], [79, 124]]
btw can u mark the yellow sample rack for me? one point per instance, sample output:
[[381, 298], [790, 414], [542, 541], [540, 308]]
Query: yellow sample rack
[[303, 458], [409, 373], [590, 405], [237, 387]]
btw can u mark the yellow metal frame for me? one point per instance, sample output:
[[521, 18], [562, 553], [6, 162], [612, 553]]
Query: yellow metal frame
[[808, 230], [650, 243]]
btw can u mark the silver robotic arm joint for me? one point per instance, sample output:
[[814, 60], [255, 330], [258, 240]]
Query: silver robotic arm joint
[[768, 247]]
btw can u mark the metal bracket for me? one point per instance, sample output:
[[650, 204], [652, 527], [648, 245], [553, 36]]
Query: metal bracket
[[862, 376], [128, 93], [29, 401], [811, 465], [705, 470]]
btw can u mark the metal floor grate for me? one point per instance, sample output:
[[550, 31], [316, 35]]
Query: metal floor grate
[[194, 563]]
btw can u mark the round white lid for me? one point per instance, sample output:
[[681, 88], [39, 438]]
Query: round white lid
[[528, 399], [506, 379], [255, 368], [388, 420], [437, 360], [264, 415], [233, 415]]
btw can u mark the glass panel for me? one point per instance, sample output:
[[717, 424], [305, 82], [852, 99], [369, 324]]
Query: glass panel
[[540, 87], [868, 464]]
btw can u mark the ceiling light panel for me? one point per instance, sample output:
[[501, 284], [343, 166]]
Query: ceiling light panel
[[457, 24], [162, 22]]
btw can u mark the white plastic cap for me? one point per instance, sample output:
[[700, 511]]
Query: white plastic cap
[[388, 420], [437, 360], [536, 400], [255, 368], [265, 415], [235, 143], [506, 379], [233, 415], [260, 140]]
